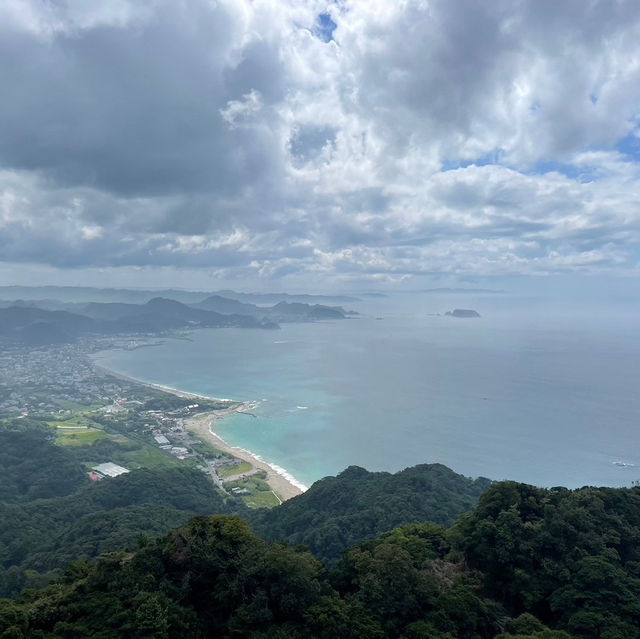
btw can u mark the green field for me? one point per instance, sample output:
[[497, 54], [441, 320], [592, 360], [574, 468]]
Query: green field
[[79, 420], [83, 437], [238, 469], [74, 406], [262, 500], [261, 494], [148, 457]]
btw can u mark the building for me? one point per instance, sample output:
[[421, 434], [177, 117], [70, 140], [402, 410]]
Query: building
[[110, 470]]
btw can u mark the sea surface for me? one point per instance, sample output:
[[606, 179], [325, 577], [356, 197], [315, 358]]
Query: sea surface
[[548, 401]]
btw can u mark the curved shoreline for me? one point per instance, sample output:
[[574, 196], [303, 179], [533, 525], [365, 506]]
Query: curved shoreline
[[161, 387], [283, 483]]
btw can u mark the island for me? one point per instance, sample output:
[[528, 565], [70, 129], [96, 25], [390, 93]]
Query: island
[[463, 312]]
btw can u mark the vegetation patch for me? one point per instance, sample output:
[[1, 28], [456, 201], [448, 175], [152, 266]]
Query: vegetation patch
[[73, 421], [207, 450], [238, 469], [262, 499], [147, 456], [73, 437], [260, 493]]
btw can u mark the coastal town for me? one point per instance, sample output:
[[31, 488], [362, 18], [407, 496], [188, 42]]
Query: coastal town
[[116, 424]]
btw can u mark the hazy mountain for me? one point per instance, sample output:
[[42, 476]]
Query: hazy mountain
[[274, 298], [85, 294], [454, 291], [280, 312], [110, 310], [42, 334], [284, 311], [170, 313], [35, 326], [27, 323], [227, 305]]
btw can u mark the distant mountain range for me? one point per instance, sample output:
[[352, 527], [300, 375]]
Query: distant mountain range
[[274, 298], [280, 312], [455, 291], [84, 294], [43, 322]]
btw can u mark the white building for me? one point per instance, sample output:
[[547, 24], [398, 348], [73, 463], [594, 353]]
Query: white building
[[110, 470]]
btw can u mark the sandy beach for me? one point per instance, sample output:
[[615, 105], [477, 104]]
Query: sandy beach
[[165, 389], [201, 426]]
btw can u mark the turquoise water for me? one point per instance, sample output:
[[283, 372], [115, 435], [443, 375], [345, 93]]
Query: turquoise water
[[545, 403]]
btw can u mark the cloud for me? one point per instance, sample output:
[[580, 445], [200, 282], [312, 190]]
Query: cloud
[[352, 141]]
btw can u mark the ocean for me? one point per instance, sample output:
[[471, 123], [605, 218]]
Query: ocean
[[547, 400]]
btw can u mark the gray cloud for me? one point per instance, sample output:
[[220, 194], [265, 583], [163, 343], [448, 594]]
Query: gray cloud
[[231, 137], [135, 110]]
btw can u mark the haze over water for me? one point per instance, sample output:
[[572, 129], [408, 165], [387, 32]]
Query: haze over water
[[518, 395]]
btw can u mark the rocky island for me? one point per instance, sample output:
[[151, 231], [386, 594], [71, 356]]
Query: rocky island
[[462, 312]]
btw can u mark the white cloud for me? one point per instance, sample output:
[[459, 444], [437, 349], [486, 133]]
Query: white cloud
[[238, 112], [427, 137]]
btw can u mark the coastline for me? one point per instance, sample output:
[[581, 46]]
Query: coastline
[[160, 387], [283, 484]]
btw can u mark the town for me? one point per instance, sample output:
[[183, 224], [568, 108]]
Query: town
[[115, 425]]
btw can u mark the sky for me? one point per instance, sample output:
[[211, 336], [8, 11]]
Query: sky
[[306, 144]]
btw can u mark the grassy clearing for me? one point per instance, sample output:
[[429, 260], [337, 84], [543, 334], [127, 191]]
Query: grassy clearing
[[75, 421], [79, 437], [74, 406], [148, 457], [207, 450], [238, 469], [262, 499], [261, 494]]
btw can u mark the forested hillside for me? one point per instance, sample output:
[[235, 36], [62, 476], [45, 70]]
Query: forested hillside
[[337, 512], [31, 467], [525, 562], [215, 578], [572, 558], [51, 514]]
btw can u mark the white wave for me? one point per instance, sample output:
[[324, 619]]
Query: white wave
[[302, 407], [162, 387], [278, 469], [623, 464], [281, 471], [289, 477]]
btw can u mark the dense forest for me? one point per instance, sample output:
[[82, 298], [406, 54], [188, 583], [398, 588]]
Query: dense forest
[[51, 513], [177, 559], [337, 512]]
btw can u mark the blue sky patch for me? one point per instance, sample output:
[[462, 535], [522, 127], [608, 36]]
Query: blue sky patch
[[324, 27], [630, 146], [570, 171], [493, 157]]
